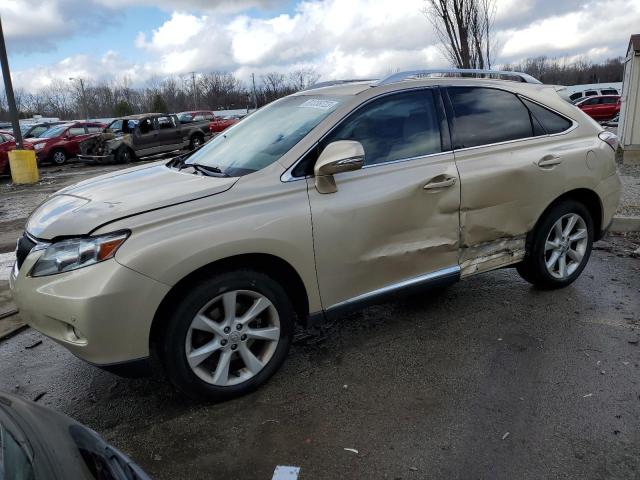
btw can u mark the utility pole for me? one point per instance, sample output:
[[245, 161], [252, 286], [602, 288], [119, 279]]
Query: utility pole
[[84, 97], [195, 92], [8, 87], [255, 96]]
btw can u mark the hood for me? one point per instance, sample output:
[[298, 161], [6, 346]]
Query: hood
[[81, 208]]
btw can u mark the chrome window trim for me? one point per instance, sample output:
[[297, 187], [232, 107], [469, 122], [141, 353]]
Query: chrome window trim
[[444, 272], [287, 176]]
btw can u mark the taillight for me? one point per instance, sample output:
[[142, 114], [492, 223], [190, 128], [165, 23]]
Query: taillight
[[609, 138]]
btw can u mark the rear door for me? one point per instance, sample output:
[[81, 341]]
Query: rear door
[[513, 161], [76, 134], [394, 222], [170, 135], [146, 137]]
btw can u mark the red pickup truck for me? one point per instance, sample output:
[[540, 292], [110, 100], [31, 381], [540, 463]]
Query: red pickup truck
[[62, 142], [601, 107]]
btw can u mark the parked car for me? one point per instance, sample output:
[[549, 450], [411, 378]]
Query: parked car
[[7, 143], [602, 107], [592, 92], [34, 130], [196, 116], [128, 138], [37, 443], [321, 202], [220, 124], [62, 142]]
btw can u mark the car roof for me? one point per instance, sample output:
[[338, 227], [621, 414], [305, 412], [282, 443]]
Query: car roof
[[139, 116]]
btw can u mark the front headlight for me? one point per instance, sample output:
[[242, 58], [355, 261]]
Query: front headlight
[[75, 253], [38, 146]]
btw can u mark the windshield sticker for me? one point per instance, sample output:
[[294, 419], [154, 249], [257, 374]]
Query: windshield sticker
[[321, 104]]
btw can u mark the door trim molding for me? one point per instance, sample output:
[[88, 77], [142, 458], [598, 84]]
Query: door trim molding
[[437, 278]]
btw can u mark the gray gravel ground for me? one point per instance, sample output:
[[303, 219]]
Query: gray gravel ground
[[489, 378]]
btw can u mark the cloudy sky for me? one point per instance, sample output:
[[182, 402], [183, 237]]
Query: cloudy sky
[[142, 39]]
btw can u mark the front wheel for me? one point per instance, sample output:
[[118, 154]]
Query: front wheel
[[560, 246], [124, 155], [228, 335], [59, 157]]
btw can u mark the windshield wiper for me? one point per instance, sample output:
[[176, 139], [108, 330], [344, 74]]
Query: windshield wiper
[[207, 170]]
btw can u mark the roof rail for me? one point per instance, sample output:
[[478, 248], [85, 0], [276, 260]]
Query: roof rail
[[337, 82], [461, 72]]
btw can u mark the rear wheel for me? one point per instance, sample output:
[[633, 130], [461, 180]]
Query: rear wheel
[[59, 157], [228, 335], [560, 246]]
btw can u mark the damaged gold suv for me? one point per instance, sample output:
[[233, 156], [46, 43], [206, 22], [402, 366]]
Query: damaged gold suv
[[322, 201]]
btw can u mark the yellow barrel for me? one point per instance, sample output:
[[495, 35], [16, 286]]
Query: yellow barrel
[[24, 167]]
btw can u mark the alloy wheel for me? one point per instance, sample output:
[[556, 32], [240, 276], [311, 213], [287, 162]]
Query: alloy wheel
[[59, 157], [566, 245], [232, 338]]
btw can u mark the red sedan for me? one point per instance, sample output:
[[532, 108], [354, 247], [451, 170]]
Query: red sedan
[[7, 143], [62, 142], [601, 107], [218, 124]]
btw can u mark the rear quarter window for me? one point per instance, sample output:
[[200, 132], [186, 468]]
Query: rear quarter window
[[550, 121], [483, 116]]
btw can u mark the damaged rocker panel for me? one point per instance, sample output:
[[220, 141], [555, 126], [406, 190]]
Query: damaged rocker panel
[[491, 255]]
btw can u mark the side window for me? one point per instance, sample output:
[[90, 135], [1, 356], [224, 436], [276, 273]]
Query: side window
[[395, 127], [77, 131], [590, 93], [208, 116], [94, 129], [165, 123], [608, 100], [485, 115], [610, 91], [146, 125], [2, 139], [575, 96], [552, 122]]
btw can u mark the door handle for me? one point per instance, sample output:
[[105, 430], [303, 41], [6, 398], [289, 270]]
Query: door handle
[[447, 182], [549, 161]]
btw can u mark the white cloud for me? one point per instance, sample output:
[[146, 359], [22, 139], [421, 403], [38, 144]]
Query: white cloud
[[340, 39]]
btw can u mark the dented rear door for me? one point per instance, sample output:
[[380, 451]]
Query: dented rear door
[[398, 217]]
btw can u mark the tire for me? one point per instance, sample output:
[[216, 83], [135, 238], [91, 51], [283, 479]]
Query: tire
[[124, 155], [196, 141], [554, 259], [59, 157], [203, 319]]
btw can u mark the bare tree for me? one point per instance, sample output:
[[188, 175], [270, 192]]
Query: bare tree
[[303, 78], [464, 29]]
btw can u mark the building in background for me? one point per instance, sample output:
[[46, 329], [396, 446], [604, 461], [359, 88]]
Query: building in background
[[629, 131]]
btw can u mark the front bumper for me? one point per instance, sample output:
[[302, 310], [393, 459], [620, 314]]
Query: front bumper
[[101, 313], [96, 158]]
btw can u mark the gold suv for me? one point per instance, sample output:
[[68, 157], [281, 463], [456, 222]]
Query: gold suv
[[322, 201]]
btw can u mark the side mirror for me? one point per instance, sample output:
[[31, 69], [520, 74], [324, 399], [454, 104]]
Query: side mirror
[[337, 157]]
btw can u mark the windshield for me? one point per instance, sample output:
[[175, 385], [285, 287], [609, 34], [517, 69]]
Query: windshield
[[261, 139], [53, 132]]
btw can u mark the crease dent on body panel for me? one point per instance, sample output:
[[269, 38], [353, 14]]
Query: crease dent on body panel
[[400, 249], [489, 255]]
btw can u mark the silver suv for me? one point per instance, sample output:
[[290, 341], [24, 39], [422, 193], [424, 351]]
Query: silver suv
[[322, 201]]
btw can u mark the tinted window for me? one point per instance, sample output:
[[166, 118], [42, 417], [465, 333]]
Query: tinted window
[[552, 122], [2, 139], [575, 96], [146, 125], [590, 93], [395, 127], [610, 91], [484, 116], [608, 100]]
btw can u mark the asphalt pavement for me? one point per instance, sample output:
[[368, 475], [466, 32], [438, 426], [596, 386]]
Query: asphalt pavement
[[487, 379]]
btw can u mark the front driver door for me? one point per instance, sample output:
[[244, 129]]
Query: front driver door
[[395, 222]]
